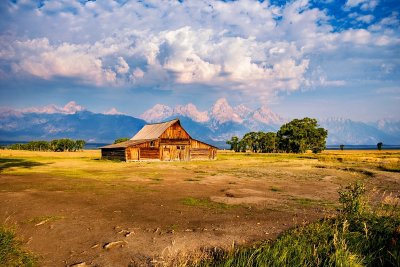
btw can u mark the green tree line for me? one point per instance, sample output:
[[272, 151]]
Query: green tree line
[[296, 136], [57, 145]]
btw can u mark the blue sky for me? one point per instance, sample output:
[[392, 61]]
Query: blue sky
[[301, 58]]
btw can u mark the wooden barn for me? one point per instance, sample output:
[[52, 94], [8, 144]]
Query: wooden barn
[[166, 141]]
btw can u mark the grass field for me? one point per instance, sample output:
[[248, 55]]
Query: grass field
[[160, 213]]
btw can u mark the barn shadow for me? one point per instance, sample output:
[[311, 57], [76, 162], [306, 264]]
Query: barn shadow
[[9, 163]]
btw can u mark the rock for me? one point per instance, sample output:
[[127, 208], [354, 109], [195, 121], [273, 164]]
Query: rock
[[114, 244], [80, 264], [125, 233]]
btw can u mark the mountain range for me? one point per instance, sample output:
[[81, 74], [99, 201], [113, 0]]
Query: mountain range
[[216, 125]]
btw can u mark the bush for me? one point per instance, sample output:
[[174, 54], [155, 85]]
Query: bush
[[352, 199]]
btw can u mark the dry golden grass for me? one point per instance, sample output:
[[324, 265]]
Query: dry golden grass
[[240, 197]]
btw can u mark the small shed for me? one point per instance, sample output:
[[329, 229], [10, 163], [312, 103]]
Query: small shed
[[165, 141]]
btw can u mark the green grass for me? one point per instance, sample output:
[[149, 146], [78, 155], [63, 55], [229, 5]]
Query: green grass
[[11, 251], [204, 203], [363, 241], [360, 236], [307, 201]]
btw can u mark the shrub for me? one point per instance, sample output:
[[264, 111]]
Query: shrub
[[368, 239], [352, 200]]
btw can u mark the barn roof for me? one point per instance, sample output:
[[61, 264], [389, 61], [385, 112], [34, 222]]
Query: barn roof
[[154, 130], [127, 143]]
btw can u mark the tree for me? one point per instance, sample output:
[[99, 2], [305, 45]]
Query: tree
[[300, 135], [242, 146], [251, 141], [80, 144], [379, 145], [60, 145], [270, 142], [120, 140], [234, 143]]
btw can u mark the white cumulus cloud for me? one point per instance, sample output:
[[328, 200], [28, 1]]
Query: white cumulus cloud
[[245, 46]]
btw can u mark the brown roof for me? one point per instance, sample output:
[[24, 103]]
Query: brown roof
[[127, 143], [153, 131]]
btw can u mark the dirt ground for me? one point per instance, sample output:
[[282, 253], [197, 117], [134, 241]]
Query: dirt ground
[[72, 208]]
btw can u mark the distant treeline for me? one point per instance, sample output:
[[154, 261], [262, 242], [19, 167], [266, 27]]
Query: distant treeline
[[57, 145], [297, 136]]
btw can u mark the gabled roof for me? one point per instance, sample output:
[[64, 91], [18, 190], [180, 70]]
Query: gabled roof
[[154, 130], [127, 143]]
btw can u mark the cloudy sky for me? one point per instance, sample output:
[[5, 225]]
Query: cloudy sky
[[300, 58]]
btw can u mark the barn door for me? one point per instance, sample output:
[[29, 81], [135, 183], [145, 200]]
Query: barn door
[[166, 155], [133, 153]]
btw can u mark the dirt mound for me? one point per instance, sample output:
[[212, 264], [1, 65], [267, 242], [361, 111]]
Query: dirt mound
[[243, 196]]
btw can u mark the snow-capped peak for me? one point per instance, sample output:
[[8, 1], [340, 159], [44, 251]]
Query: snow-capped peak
[[113, 111], [242, 111], [192, 112], [222, 112], [70, 108], [265, 115], [157, 113]]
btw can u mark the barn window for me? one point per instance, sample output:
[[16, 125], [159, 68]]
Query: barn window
[[152, 144], [182, 147], [178, 147]]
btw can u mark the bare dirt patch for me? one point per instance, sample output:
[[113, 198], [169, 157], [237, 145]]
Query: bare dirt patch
[[75, 209]]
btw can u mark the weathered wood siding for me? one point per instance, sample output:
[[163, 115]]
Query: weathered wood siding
[[155, 143], [198, 144], [175, 152], [175, 142], [113, 153], [200, 150], [175, 131], [199, 153], [132, 153], [149, 153]]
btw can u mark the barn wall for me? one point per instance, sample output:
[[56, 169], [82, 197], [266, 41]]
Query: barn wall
[[200, 150], [175, 152], [113, 153], [199, 153], [175, 131], [213, 153], [132, 153], [175, 142], [156, 143], [198, 144], [203, 153], [149, 153]]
